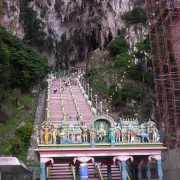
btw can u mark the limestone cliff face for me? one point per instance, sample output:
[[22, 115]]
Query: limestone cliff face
[[87, 24], [10, 19]]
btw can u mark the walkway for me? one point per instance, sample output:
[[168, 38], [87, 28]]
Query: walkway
[[68, 103]]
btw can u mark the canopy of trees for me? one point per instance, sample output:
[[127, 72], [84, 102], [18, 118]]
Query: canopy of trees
[[20, 65], [136, 15], [118, 45]]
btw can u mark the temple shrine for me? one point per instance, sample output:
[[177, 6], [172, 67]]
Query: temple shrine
[[78, 141]]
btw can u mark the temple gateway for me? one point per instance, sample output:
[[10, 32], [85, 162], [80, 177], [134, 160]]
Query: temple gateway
[[80, 141]]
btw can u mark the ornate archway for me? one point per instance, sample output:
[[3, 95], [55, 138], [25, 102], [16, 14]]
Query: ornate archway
[[102, 116]]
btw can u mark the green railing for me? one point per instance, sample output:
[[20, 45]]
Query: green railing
[[61, 73]]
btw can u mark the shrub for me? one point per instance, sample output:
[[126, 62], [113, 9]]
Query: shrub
[[137, 15], [122, 60], [118, 45], [137, 93], [24, 133]]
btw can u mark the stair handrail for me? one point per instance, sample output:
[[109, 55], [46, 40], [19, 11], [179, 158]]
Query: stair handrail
[[128, 176], [73, 172], [119, 165], [128, 172], [98, 170]]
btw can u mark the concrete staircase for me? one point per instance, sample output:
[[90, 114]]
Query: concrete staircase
[[55, 103], [84, 108], [63, 171], [91, 172], [66, 101], [115, 172], [60, 171]]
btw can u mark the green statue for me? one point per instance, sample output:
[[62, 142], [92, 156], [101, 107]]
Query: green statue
[[111, 135], [120, 122]]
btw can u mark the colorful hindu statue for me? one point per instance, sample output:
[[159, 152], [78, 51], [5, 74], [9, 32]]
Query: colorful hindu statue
[[101, 132]]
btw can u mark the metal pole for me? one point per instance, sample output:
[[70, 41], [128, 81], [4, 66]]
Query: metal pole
[[96, 101], [88, 90], [101, 106], [91, 94]]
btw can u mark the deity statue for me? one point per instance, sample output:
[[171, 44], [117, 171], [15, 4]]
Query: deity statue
[[84, 132], [46, 134], [155, 134], [129, 134], [136, 120], [118, 133], [54, 134], [120, 122], [151, 124], [111, 135], [93, 134], [72, 137], [101, 132]]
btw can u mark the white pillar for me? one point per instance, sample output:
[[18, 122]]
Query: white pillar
[[101, 106]]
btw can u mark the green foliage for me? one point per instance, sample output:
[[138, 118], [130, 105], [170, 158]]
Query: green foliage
[[120, 95], [137, 71], [24, 133], [136, 15], [101, 86], [97, 81], [34, 34], [143, 47], [137, 93], [146, 110], [20, 65], [11, 141], [28, 66], [14, 148], [122, 60], [138, 2], [117, 95], [118, 45]]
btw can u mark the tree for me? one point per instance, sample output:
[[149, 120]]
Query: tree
[[136, 15], [20, 65], [117, 46]]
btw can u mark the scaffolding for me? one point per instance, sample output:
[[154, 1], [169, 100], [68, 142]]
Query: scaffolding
[[164, 33]]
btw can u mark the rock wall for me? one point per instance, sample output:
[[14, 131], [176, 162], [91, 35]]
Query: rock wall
[[95, 21], [10, 19]]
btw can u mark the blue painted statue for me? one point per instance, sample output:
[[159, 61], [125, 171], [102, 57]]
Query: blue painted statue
[[111, 135], [143, 136], [120, 122], [136, 120]]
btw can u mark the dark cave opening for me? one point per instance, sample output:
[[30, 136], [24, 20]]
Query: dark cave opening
[[110, 37], [93, 43]]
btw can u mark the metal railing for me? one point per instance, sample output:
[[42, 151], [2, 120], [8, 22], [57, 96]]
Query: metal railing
[[98, 170], [73, 172]]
